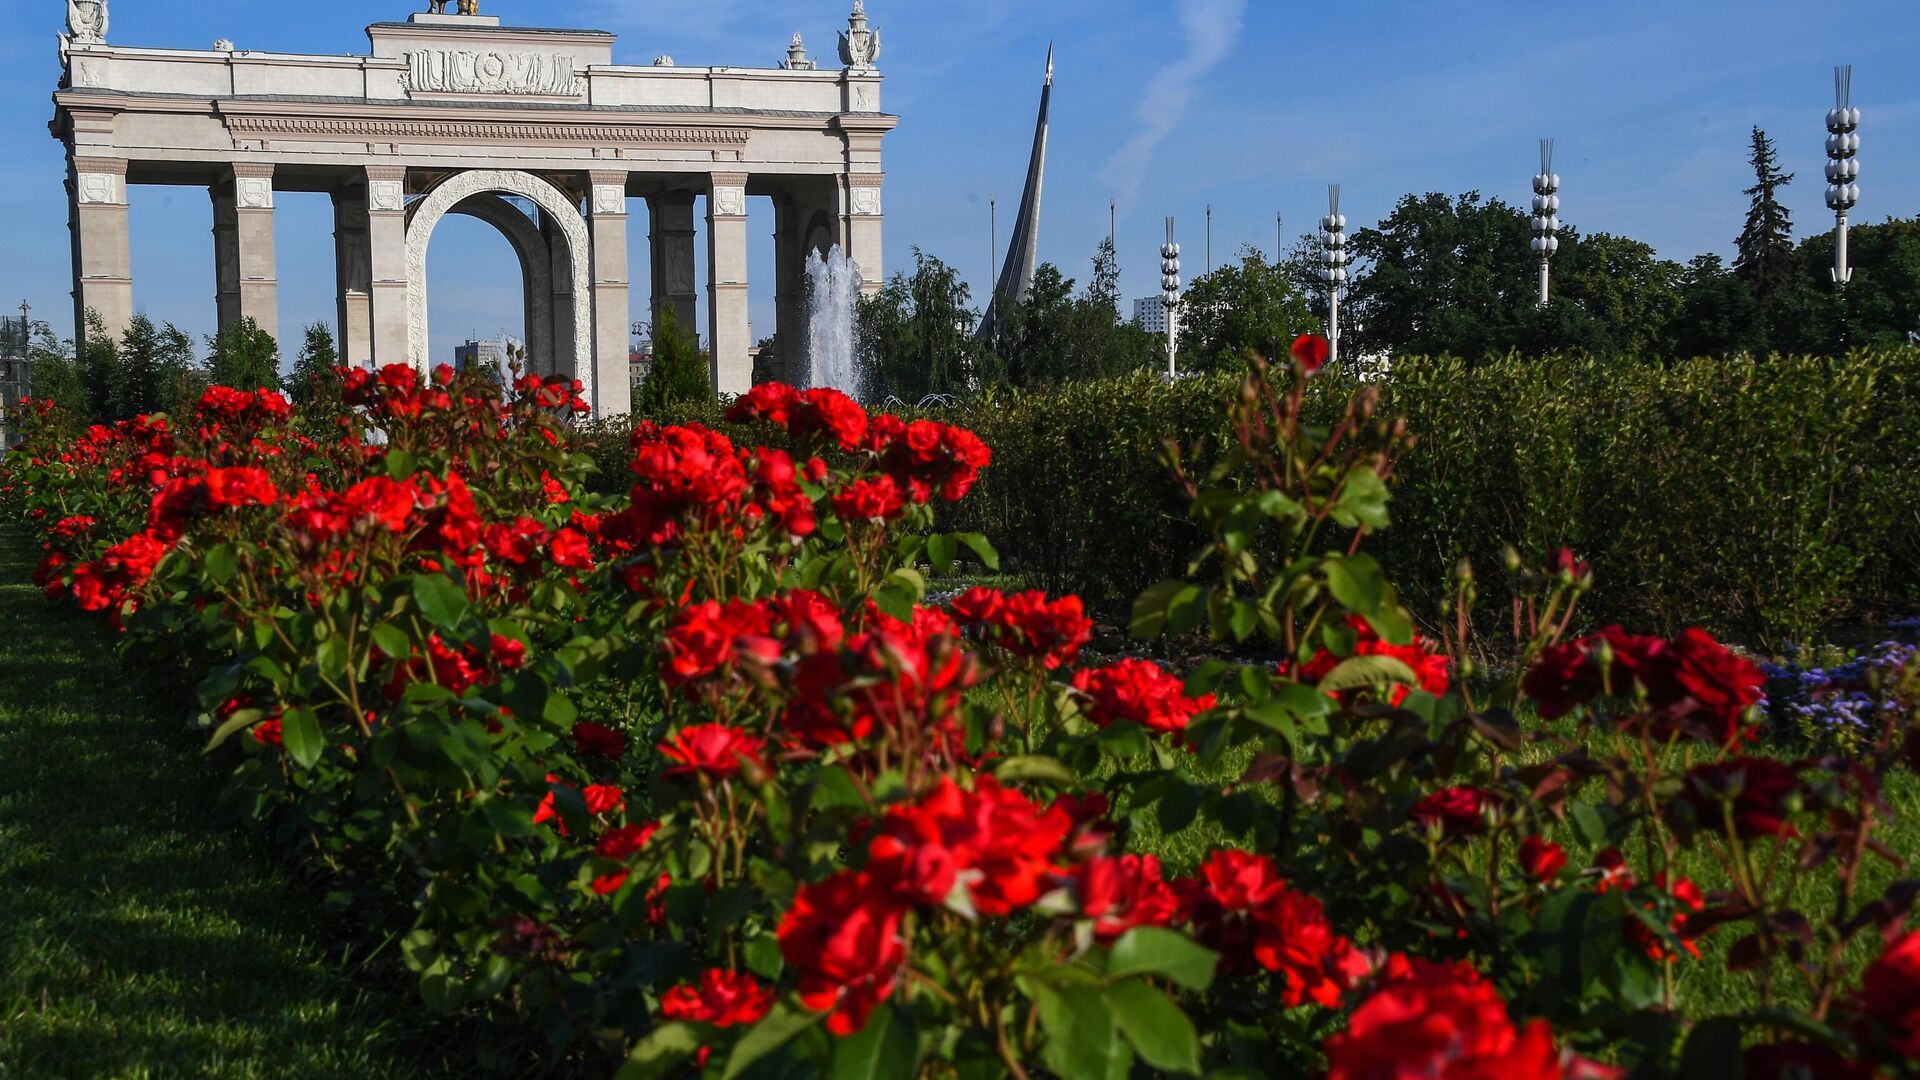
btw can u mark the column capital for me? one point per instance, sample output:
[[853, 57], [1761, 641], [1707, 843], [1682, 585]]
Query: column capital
[[100, 181], [387, 188], [252, 185], [109, 166], [609, 193], [727, 196]]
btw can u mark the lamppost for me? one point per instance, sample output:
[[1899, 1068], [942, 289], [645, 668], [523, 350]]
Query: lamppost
[[1333, 236], [1546, 210], [1170, 293], [1843, 168]]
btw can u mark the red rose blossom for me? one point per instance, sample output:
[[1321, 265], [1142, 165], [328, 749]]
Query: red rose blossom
[[1141, 691], [843, 939], [1889, 997], [1311, 351], [592, 738], [1439, 1021], [1454, 811], [714, 751], [1542, 859], [722, 998]]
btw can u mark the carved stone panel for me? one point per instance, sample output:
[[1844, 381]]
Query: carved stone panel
[[386, 195], [609, 199], [467, 71], [253, 193], [729, 201], [866, 201], [97, 188]]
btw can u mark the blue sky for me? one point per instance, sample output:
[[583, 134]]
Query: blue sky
[[1252, 106]]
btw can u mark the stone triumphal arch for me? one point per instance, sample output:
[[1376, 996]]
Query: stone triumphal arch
[[536, 132]]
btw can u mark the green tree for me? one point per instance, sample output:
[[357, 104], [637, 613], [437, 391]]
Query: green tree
[[1249, 306], [156, 371], [1878, 308], [1765, 259], [53, 375], [244, 356], [313, 383], [98, 359], [1103, 343], [915, 336], [1439, 276], [1719, 315], [1631, 295], [767, 365], [1036, 343], [679, 373]]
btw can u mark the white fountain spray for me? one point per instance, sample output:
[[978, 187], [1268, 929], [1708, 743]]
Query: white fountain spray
[[833, 287]]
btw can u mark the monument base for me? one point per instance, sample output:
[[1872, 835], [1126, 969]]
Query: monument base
[[425, 18]]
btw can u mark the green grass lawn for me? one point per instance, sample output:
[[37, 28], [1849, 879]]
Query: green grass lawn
[[141, 934]]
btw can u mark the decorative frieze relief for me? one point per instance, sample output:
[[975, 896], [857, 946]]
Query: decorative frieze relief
[[386, 195], [466, 71], [100, 189], [483, 131]]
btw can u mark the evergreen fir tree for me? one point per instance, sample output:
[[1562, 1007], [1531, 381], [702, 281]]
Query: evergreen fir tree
[[679, 373], [244, 356], [313, 382], [99, 363], [1765, 248]]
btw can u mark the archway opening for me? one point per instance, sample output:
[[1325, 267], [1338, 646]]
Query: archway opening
[[479, 289]]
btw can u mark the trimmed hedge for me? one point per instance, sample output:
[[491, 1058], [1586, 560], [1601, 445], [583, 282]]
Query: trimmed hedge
[[1761, 497]]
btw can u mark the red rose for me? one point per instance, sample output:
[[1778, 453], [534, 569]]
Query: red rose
[[842, 936], [269, 733], [1431, 671], [1241, 907], [1141, 691], [723, 998], [993, 839], [1542, 859], [240, 487], [621, 843], [828, 413], [1311, 351], [1719, 687], [707, 638], [772, 402], [1050, 631], [1568, 675], [592, 738], [569, 549], [876, 499], [1890, 996], [1759, 792], [1121, 893], [714, 751], [1442, 1021], [1454, 811], [978, 607]]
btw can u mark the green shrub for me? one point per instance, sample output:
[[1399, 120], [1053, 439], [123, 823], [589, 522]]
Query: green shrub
[[1761, 497]]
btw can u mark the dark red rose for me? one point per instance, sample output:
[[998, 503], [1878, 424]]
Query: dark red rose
[[1454, 811], [1311, 351], [842, 937], [1542, 859], [1761, 793], [1719, 687], [723, 998], [592, 738], [1241, 907], [715, 751], [1439, 1020], [1141, 691], [1889, 1000]]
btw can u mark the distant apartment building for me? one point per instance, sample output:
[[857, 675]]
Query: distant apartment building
[[479, 354], [15, 379], [1150, 314]]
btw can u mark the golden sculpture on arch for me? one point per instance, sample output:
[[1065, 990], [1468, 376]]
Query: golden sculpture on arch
[[466, 7]]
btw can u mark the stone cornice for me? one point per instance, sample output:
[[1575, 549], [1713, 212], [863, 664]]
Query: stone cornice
[[362, 129]]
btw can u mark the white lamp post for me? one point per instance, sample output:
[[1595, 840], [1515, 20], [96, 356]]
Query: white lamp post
[[1843, 168], [1546, 210], [1333, 236], [1170, 292]]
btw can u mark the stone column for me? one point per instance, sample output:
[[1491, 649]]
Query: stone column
[[102, 260], [861, 228], [353, 275], [387, 262], [243, 247], [790, 289], [729, 330], [609, 387], [671, 258], [561, 328]]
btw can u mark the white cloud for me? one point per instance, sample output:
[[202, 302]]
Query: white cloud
[[1211, 27]]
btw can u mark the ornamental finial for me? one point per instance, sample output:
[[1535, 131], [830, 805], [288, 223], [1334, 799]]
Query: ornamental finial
[[859, 46]]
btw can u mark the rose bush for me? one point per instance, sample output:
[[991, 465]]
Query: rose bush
[[691, 778]]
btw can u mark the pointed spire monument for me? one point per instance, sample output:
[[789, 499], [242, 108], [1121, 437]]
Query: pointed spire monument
[[1023, 248]]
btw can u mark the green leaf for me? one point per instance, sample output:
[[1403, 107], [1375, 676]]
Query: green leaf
[[1393, 624], [1150, 610], [222, 563], [1588, 822], [1149, 950], [400, 464], [774, 1031], [392, 641], [300, 732], [1243, 618], [244, 718], [1082, 1040], [1363, 499], [982, 550], [1362, 671], [1357, 583], [1187, 609], [441, 601], [886, 1049], [1159, 1031], [1039, 767], [664, 1048], [940, 549]]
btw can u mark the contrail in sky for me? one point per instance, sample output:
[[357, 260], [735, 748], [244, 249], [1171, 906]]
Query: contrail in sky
[[1211, 27]]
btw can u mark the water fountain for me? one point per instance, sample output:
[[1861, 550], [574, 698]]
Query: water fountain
[[833, 289]]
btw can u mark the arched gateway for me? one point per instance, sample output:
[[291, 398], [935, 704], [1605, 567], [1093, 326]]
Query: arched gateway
[[458, 114]]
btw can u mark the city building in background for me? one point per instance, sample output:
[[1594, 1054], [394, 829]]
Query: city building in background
[[479, 354], [16, 379], [639, 354], [1150, 314]]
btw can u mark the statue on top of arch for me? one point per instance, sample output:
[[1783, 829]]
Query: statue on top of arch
[[466, 7], [87, 21]]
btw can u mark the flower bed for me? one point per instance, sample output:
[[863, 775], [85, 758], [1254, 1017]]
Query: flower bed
[[693, 779]]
